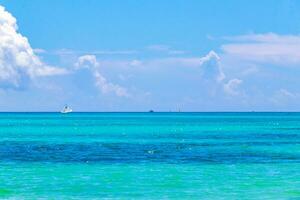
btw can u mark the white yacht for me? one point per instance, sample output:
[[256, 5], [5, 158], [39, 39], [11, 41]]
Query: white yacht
[[66, 109]]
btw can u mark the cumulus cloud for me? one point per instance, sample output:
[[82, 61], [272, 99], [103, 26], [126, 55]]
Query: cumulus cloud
[[208, 68], [232, 86], [90, 62], [209, 65], [17, 59], [211, 68], [267, 48]]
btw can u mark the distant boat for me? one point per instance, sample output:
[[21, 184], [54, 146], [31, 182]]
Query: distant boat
[[151, 111], [66, 109]]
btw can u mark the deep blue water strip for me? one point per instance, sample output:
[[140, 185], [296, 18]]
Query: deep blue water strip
[[136, 153]]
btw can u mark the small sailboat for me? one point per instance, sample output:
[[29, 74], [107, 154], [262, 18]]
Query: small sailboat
[[66, 109]]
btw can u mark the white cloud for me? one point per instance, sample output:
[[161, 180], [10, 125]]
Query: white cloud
[[286, 93], [90, 62], [284, 96], [267, 38], [87, 61], [232, 86], [17, 59], [203, 74], [266, 48], [211, 69], [208, 64], [208, 67]]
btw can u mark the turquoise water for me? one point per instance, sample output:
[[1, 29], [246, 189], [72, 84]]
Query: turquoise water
[[150, 156]]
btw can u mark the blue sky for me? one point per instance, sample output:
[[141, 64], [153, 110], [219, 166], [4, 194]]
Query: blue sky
[[140, 55]]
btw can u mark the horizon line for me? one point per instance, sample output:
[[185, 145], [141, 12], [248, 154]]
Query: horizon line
[[267, 111]]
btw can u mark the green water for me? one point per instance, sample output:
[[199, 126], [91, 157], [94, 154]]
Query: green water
[[150, 156]]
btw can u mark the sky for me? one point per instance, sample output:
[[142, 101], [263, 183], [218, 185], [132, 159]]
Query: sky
[[137, 55]]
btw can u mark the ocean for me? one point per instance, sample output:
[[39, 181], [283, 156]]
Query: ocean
[[150, 156]]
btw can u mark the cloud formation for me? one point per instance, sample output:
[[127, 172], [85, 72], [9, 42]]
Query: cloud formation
[[17, 59], [206, 70], [267, 48], [232, 86], [284, 96], [211, 68], [90, 62]]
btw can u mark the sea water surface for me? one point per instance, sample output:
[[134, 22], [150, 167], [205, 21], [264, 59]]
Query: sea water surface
[[150, 156]]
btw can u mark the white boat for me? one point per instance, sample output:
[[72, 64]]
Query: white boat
[[66, 109]]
